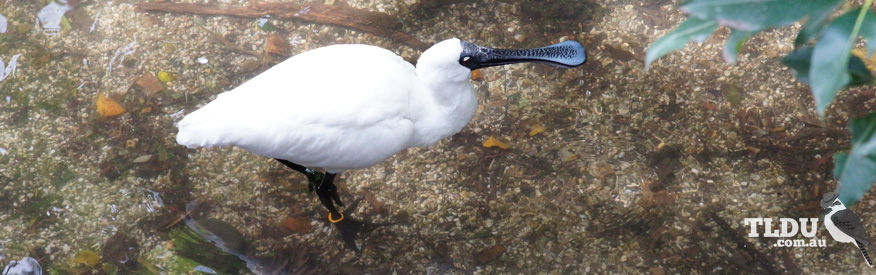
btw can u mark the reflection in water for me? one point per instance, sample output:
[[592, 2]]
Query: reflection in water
[[3, 23], [96, 19], [121, 54], [7, 70], [217, 246], [231, 241]]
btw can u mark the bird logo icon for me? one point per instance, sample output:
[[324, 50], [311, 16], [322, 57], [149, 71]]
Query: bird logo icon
[[844, 225]]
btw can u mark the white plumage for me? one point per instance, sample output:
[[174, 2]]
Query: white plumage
[[340, 107], [352, 106]]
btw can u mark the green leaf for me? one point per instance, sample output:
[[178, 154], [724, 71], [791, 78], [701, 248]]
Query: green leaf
[[863, 129], [831, 56], [800, 61], [755, 15], [816, 22], [691, 29], [868, 31], [859, 73], [839, 163], [734, 44], [857, 170]]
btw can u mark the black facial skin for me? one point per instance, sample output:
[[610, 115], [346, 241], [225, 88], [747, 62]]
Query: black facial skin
[[566, 54]]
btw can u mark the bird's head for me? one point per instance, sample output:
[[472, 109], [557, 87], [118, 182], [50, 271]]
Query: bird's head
[[441, 60], [830, 201]]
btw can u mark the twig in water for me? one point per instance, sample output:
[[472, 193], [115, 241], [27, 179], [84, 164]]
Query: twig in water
[[376, 23]]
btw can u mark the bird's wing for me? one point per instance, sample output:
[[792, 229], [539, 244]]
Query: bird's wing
[[849, 223], [328, 107]]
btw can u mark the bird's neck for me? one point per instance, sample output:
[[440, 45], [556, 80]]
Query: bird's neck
[[441, 107]]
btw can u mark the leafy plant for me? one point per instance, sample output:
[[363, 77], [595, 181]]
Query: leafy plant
[[855, 170], [822, 58]]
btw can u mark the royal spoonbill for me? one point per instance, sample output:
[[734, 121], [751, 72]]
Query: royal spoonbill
[[345, 107]]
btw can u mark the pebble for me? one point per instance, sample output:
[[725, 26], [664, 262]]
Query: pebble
[[298, 225], [489, 254], [566, 155], [600, 169], [142, 159], [477, 75], [277, 44], [150, 83], [519, 37]]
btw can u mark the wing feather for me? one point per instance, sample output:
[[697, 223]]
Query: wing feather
[[848, 222], [314, 110]]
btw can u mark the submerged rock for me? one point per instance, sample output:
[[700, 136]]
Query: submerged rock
[[489, 254], [49, 17], [25, 266]]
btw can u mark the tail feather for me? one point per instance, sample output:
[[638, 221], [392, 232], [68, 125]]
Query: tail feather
[[210, 126], [864, 252]]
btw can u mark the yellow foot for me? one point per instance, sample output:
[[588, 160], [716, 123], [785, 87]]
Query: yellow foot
[[335, 221]]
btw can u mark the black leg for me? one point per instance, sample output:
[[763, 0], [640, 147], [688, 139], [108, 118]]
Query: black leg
[[314, 177], [324, 185], [327, 193], [295, 167]]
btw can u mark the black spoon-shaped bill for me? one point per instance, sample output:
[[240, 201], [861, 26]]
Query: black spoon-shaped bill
[[566, 54]]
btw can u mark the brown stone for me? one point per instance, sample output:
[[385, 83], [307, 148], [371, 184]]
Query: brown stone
[[150, 83]]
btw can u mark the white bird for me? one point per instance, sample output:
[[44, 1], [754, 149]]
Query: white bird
[[347, 106], [844, 225]]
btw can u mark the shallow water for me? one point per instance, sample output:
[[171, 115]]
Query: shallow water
[[605, 168]]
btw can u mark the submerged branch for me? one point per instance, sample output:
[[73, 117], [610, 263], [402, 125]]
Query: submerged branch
[[376, 23]]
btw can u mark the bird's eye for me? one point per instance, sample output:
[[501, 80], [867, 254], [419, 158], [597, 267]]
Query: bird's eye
[[836, 203], [466, 58]]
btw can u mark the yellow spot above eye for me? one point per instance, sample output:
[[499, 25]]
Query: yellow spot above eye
[[107, 107], [494, 142]]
